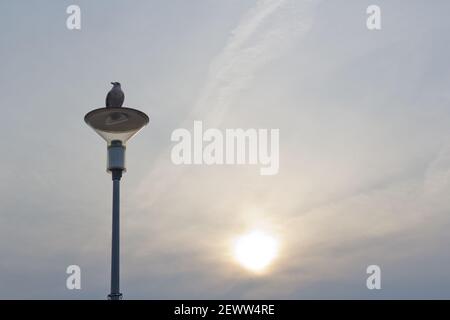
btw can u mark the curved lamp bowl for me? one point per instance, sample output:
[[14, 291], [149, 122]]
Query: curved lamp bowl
[[116, 124]]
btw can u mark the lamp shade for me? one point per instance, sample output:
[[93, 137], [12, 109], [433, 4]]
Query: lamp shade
[[116, 124]]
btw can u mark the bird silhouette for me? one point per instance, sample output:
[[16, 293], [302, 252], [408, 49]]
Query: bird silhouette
[[115, 97]]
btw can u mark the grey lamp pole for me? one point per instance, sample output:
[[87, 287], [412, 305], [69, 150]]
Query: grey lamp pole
[[116, 157], [115, 249], [116, 126]]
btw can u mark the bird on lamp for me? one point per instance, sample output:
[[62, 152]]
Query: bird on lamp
[[115, 97]]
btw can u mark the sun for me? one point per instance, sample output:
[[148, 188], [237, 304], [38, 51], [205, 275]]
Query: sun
[[255, 251]]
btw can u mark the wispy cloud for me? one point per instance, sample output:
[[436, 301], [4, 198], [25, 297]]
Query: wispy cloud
[[264, 33]]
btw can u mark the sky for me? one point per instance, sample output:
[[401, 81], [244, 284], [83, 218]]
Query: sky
[[364, 173]]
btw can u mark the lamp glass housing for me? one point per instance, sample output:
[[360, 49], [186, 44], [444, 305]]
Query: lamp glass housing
[[116, 124]]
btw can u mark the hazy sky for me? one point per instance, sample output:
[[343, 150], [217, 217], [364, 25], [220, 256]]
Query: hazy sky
[[364, 125]]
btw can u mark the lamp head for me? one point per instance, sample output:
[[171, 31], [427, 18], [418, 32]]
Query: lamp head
[[116, 124]]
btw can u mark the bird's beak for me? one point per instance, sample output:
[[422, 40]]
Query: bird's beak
[[113, 83]]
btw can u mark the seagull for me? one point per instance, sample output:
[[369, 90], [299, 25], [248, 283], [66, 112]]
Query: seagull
[[115, 96]]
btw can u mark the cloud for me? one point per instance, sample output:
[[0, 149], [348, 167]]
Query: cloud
[[347, 195], [263, 34], [364, 165]]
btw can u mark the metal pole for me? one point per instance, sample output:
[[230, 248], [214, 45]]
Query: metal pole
[[115, 249]]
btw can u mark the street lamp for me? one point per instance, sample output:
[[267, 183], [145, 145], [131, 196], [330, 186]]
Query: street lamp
[[116, 126]]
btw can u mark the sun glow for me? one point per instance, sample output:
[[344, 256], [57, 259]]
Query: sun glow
[[255, 251]]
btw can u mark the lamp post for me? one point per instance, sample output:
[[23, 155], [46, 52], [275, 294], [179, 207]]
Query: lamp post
[[116, 126]]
